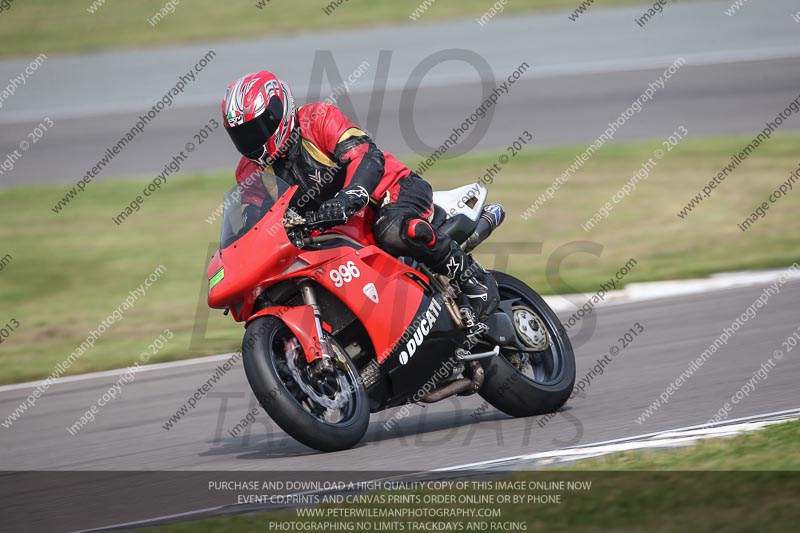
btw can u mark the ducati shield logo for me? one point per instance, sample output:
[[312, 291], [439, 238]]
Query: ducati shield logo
[[371, 292]]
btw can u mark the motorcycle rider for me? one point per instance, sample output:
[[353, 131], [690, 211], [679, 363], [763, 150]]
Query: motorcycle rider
[[340, 171]]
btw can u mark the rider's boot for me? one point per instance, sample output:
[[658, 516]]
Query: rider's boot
[[475, 282]]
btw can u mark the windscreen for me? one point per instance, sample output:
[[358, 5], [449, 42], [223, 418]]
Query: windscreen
[[247, 203]]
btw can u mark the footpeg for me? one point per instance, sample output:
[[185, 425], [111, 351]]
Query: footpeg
[[476, 332], [464, 355]]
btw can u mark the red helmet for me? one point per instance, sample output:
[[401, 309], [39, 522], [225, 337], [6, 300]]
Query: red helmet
[[259, 115]]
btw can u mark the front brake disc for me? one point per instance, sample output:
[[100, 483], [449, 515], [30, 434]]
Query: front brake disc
[[340, 399]]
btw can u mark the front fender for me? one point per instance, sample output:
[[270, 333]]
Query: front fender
[[300, 321]]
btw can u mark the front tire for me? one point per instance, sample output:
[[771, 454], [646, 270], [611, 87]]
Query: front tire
[[327, 415], [507, 386]]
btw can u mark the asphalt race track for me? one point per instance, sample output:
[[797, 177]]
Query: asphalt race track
[[123, 450], [128, 433]]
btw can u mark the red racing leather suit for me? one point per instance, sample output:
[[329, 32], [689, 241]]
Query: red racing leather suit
[[332, 154], [329, 155]]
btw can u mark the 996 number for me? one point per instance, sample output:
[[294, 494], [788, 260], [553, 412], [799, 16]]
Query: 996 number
[[344, 274]]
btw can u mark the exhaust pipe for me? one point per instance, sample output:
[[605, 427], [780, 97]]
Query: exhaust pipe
[[459, 386], [493, 215]]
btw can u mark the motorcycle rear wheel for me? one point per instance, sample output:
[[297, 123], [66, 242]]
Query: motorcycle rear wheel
[[530, 383]]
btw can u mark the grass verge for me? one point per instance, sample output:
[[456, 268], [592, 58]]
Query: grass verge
[[773, 448], [69, 271], [36, 26], [748, 483]]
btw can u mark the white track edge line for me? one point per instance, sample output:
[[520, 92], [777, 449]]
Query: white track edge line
[[633, 438], [119, 371], [586, 448]]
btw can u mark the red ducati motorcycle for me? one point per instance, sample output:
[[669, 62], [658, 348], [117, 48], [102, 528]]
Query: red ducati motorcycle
[[390, 329]]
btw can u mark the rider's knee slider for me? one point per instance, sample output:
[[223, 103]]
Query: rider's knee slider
[[419, 230]]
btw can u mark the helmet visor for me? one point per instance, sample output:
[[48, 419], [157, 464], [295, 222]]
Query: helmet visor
[[250, 137]]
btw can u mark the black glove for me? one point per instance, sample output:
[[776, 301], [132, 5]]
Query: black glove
[[354, 199], [338, 209], [331, 213]]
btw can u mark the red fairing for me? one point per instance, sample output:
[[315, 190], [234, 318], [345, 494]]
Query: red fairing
[[380, 290], [247, 267], [384, 295], [298, 319], [358, 227]]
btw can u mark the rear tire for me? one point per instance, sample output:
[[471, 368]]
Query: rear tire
[[286, 402], [508, 389]]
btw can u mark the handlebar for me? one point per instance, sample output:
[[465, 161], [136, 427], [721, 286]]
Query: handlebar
[[314, 220]]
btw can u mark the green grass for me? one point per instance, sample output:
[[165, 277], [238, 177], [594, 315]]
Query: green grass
[[36, 26], [771, 449], [748, 483], [70, 270]]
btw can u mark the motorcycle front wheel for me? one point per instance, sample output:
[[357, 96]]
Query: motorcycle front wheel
[[328, 414]]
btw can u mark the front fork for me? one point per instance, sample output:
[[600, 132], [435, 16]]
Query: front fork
[[310, 299]]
